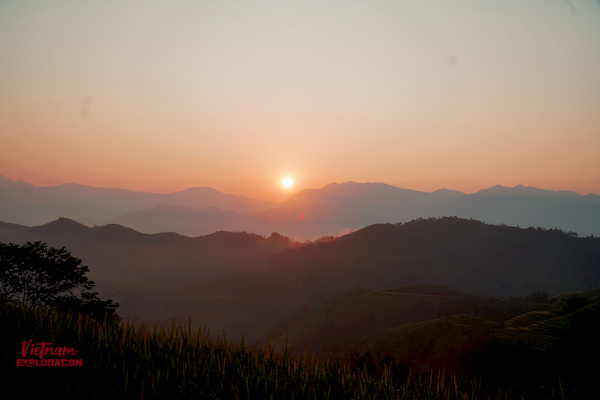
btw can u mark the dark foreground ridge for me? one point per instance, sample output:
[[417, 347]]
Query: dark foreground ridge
[[112, 360], [241, 283]]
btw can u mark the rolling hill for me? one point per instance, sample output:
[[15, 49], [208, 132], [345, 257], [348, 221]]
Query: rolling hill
[[351, 323], [162, 276], [241, 283], [426, 328]]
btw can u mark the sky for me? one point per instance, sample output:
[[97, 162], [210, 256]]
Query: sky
[[160, 96]]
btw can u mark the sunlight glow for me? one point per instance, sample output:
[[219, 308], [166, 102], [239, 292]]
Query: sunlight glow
[[287, 182]]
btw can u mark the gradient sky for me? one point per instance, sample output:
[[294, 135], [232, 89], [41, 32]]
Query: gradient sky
[[163, 95]]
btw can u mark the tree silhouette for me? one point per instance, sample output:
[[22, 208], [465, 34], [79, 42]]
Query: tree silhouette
[[573, 303], [39, 275]]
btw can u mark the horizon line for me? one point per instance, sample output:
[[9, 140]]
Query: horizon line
[[21, 182]]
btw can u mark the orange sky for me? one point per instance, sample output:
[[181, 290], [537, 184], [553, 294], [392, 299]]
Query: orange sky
[[162, 96]]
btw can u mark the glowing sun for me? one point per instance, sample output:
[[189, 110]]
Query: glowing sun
[[287, 182]]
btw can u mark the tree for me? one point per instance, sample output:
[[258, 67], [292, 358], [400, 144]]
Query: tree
[[45, 276], [573, 303]]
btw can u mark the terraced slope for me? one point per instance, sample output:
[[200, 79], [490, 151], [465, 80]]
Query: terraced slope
[[544, 331], [528, 319]]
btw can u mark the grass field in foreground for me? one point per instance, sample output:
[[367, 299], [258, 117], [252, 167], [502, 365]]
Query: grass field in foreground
[[125, 361]]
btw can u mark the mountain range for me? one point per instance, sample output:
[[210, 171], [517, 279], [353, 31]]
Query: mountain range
[[437, 289], [332, 210], [242, 283]]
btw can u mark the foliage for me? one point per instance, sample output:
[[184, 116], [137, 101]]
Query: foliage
[[40, 275], [573, 303], [125, 361], [515, 341], [351, 322]]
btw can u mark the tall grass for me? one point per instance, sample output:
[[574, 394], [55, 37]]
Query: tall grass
[[121, 360]]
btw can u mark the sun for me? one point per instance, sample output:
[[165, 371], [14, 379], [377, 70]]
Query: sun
[[287, 182]]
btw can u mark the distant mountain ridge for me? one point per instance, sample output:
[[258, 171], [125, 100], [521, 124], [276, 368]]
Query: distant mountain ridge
[[334, 209], [341, 208], [23, 203]]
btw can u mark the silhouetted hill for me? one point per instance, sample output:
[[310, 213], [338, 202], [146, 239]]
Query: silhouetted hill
[[163, 276], [242, 283], [60, 227], [353, 322], [465, 254], [424, 328]]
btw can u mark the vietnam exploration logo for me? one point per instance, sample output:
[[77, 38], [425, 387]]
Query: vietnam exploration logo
[[43, 354]]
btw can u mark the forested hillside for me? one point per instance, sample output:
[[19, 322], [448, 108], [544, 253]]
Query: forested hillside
[[240, 283]]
